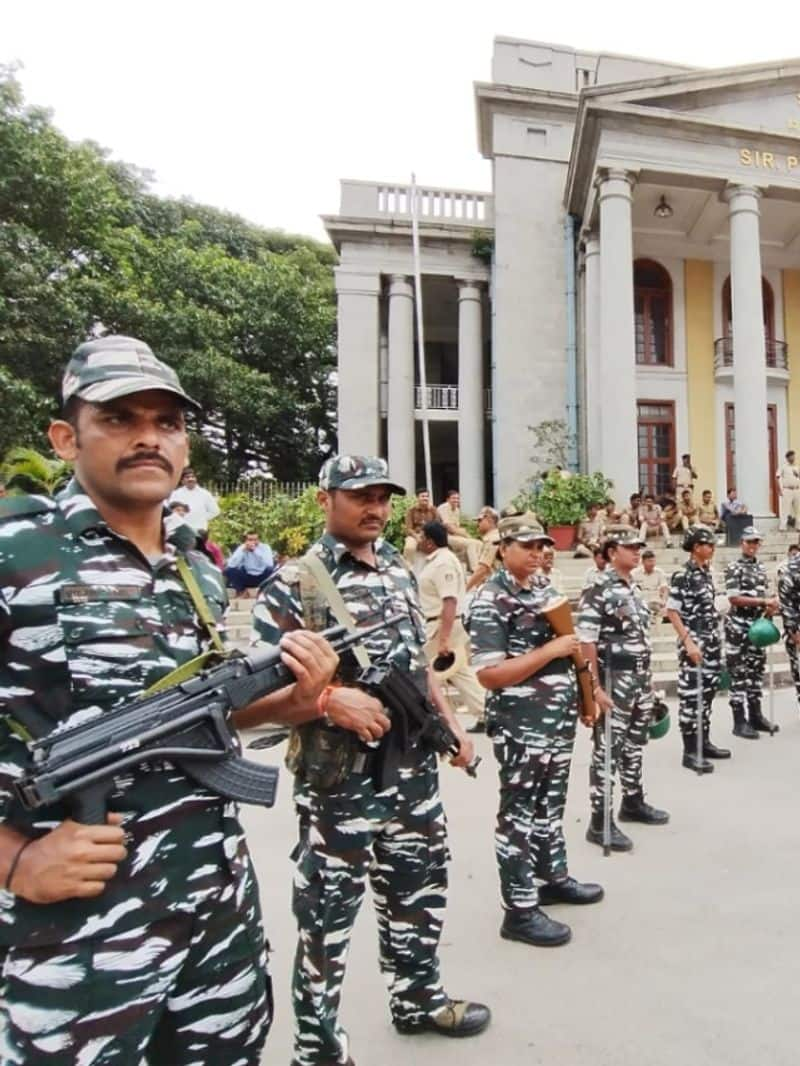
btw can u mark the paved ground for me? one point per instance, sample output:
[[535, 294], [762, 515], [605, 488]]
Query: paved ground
[[691, 960]]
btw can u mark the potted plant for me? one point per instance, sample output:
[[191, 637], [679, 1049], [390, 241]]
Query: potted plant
[[562, 500]]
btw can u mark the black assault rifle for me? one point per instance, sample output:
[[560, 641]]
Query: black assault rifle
[[188, 724]]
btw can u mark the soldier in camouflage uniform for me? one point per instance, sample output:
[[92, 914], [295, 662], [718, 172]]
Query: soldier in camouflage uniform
[[613, 627], [789, 598], [746, 587], [692, 611], [139, 940], [354, 827], [531, 716]]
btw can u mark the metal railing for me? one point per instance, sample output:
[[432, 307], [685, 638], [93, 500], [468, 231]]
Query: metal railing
[[259, 488], [445, 398], [777, 353]]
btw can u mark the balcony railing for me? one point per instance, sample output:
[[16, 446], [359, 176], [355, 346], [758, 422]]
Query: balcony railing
[[445, 398], [465, 207], [777, 353]]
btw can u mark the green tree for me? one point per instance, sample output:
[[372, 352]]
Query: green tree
[[27, 470], [246, 315]]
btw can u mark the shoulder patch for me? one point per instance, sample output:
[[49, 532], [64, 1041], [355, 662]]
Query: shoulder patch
[[21, 506]]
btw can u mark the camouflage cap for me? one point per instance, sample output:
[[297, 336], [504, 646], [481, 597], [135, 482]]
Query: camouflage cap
[[750, 533], [357, 472], [625, 538], [519, 527], [110, 367], [698, 536]]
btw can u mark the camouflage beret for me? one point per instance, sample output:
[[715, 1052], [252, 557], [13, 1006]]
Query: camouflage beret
[[110, 367]]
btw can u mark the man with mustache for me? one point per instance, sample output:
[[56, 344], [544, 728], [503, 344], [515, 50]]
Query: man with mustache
[[139, 939], [355, 823]]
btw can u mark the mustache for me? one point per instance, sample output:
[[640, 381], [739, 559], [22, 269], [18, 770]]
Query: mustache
[[146, 457]]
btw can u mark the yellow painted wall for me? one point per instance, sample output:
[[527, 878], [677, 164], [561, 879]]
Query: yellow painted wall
[[699, 290], [791, 325]]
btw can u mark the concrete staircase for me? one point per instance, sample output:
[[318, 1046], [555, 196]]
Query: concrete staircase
[[665, 659]]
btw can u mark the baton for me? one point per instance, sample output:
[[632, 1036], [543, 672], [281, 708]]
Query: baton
[[700, 717], [771, 667], [607, 761]]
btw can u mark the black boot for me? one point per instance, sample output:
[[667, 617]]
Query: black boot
[[634, 809], [710, 750], [741, 727], [690, 760], [757, 720], [533, 926], [594, 834]]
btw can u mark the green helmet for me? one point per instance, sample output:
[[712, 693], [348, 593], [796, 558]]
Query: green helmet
[[659, 722], [763, 632]]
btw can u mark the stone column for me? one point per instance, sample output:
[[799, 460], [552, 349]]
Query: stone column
[[400, 407], [618, 431], [749, 355], [591, 348], [470, 398], [358, 311]]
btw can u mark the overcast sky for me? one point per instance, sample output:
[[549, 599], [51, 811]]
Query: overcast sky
[[260, 108]]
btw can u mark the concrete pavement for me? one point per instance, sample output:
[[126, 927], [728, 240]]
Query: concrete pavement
[[691, 959]]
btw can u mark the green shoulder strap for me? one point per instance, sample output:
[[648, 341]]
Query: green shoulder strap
[[315, 568], [200, 605], [199, 662]]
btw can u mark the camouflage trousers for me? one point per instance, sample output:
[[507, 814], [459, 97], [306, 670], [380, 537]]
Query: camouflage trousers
[[191, 989], [632, 694], [533, 748], [793, 652], [746, 664], [398, 839], [711, 648]]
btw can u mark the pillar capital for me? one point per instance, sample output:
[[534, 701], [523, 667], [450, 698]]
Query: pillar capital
[[741, 198], [400, 285], [615, 181], [469, 288]]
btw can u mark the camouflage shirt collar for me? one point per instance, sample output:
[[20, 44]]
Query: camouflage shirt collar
[[338, 550], [615, 575], [511, 582], [81, 515]]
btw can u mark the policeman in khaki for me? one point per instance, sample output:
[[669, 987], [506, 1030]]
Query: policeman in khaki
[[788, 478], [442, 588], [613, 627], [531, 716], [139, 940], [353, 826]]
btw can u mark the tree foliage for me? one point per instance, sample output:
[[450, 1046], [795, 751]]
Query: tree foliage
[[246, 315]]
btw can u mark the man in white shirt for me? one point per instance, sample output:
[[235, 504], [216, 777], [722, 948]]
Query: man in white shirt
[[202, 505]]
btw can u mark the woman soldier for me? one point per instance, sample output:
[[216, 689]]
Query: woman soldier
[[531, 714]]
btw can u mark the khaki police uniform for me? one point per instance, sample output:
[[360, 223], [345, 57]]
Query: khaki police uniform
[[789, 481], [442, 577], [465, 547]]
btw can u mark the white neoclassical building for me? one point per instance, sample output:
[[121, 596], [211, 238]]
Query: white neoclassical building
[[643, 282]]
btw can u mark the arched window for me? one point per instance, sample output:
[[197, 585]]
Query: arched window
[[652, 294], [768, 304]]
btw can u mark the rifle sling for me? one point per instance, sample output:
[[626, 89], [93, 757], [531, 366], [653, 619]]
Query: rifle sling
[[316, 569]]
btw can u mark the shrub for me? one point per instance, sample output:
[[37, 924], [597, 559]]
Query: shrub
[[287, 524], [562, 501]]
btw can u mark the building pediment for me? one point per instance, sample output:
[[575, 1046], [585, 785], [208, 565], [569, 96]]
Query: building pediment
[[748, 109]]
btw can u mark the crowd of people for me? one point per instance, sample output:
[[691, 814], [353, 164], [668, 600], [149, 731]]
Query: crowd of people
[[139, 938]]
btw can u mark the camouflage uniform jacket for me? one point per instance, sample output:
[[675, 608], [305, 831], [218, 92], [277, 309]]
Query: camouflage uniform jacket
[[691, 594], [86, 623], [789, 595], [613, 615], [370, 594], [744, 577], [505, 620]]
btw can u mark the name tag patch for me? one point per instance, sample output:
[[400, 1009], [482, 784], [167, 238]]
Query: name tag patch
[[76, 594]]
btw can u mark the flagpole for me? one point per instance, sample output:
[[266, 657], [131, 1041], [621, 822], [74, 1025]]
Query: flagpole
[[423, 381]]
